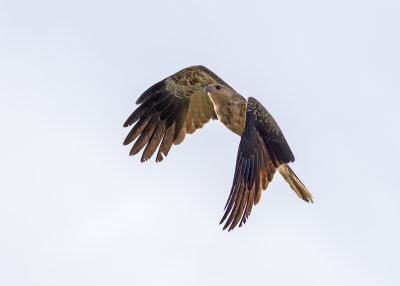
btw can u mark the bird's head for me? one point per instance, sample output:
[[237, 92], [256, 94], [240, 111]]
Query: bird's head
[[215, 88], [219, 93]]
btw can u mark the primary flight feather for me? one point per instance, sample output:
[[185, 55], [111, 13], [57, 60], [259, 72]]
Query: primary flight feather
[[188, 99]]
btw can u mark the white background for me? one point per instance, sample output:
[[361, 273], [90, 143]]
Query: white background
[[75, 209]]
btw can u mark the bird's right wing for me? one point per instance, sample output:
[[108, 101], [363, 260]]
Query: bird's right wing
[[262, 149], [170, 109]]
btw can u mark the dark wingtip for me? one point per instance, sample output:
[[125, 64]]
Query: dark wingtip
[[225, 227], [151, 91], [228, 224], [126, 142], [159, 157]]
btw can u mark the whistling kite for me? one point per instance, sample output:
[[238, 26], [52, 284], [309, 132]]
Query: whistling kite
[[188, 99]]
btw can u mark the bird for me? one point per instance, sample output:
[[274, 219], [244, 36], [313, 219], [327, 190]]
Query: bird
[[183, 103]]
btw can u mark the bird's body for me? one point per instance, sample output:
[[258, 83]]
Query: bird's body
[[184, 102], [230, 110]]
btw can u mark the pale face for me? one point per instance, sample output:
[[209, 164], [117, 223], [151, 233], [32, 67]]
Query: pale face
[[215, 88], [218, 93]]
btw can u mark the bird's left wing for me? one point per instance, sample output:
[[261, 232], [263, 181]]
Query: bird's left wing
[[262, 149], [170, 109]]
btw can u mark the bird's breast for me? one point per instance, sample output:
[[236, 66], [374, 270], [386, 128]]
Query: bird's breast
[[231, 112]]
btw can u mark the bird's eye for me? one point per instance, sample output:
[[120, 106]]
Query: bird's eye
[[218, 87]]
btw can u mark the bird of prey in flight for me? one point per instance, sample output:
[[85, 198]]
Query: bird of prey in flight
[[188, 99]]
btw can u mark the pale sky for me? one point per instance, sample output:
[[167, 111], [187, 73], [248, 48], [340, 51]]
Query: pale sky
[[75, 209]]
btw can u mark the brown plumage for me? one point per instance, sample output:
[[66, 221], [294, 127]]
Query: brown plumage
[[184, 102]]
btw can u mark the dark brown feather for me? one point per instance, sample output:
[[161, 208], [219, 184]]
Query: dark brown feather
[[262, 150], [146, 135], [138, 113], [151, 91], [139, 127], [166, 143], [180, 105], [154, 142]]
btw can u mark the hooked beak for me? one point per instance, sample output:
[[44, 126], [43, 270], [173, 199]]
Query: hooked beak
[[208, 88]]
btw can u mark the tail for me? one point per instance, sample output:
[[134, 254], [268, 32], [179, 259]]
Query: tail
[[295, 183]]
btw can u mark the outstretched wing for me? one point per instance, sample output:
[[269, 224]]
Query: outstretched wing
[[169, 110], [262, 149]]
